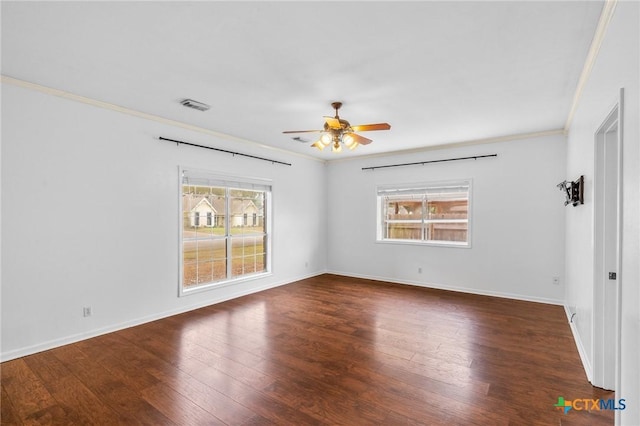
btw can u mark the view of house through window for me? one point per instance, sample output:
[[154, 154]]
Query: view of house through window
[[218, 242], [427, 213]]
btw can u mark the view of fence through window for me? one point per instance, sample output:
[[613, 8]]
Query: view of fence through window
[[223, 233], [438, 214]]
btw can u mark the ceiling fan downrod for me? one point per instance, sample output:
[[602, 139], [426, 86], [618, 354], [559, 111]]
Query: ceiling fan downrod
[[336, 106]]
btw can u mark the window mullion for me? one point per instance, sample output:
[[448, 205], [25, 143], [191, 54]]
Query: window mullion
[[383, 205], [424, 212], [227, 219]]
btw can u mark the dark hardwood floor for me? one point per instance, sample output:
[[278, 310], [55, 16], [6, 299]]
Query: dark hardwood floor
[[326, 350]]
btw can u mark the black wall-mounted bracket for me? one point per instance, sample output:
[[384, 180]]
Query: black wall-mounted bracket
[[573, 190]]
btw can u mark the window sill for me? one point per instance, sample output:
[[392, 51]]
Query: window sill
[[222, 284], [451, 244]]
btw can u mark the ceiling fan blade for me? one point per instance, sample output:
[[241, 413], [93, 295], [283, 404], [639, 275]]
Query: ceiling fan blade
[[302, 131], [332, 122], [360, 139], [370, 127]]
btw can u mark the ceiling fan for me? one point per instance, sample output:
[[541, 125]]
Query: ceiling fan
[[337, 131]]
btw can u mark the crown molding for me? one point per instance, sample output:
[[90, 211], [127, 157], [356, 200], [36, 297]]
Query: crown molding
[[598, 37], [113, 107], [472, 142]]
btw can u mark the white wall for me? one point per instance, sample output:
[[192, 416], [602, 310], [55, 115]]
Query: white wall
[[616, 67], [517, 221], [78, 183]]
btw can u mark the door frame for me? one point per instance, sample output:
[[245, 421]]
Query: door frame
[[603, 357]]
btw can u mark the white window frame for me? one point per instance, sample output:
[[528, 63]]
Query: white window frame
[[229, 182], [418, 190]]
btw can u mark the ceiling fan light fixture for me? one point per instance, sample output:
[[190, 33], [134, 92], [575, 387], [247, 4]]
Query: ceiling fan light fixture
[[348, 140], [318, 144], [337, 132]]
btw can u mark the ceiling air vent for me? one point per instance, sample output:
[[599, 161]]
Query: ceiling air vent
[[190, 103]]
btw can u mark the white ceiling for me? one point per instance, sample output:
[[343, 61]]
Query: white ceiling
[[438, 72]]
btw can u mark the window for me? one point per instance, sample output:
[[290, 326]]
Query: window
[[436, 213], [226, 250]]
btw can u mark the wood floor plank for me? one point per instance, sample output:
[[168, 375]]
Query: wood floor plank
[[113, 392], [78, 401], [326, 403], [177, 407], [8, 413], [324, 350], [264, 406], [119, 359], [194, 385], [239, 372], [29, 396]]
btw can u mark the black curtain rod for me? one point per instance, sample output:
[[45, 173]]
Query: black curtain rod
[[223, 150], [430, 161]]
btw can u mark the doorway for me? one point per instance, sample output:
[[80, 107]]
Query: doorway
[[607, 249]]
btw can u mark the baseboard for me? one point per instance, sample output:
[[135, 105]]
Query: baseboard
[[581, 350], [51, 344], [452, 288]]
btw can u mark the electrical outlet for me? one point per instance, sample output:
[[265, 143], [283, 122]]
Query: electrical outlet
[[306, 264], [86, 311], [556, 280], [419, 270]]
